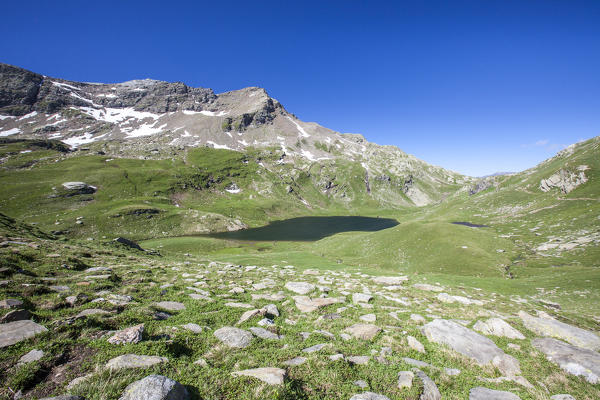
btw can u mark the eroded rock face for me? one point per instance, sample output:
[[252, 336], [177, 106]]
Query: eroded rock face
[[471, 344], [17, 331], [564, 180], [272, 376], [550, 327], [155, 387], [574, 360]]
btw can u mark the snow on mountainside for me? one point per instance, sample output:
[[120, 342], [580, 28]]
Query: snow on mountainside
[[149, 114]]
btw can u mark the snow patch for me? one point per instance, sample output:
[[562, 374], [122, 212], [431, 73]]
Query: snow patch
[[65, 86], [243, 142], [9, 132], [116, 115], [300, 129], [146, 130], [31, 114], [108, 96], [3, 117], [77, 141], [186, 134], [214, 114], [218, 146]]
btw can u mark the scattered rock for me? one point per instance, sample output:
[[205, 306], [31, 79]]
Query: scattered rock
[[155, 387], [368, 318], [170, 305], [234, 337], [369, 396], [306, 304], [481, 393], [10, 303], [574, 360], [33, 355], [428, 287], [497, 327], [91, 311], [128, 243], [361, 298], [405, 379], [134, 361], [562, 397], [430, 389], [390, 280], [550, 327], [192, 328], [363, 331], [315, 348], [17, 331], [264, 334], [271, 376], [75, 188], [295, 361], [414, 344], [300, 287], [358, 360], [15, 315], [132, 334]]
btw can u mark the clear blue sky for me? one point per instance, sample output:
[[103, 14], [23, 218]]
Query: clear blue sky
[[475, 86]]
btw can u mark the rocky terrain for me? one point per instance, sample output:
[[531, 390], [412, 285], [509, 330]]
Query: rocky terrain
[[485, 289]]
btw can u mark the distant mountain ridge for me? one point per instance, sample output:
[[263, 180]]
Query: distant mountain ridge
[[152, 119]]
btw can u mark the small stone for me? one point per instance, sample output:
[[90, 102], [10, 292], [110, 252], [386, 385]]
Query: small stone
[[336, 357], [266, 322], [10, 303], [419, 319], [234, 337], [170, 305], [562, 397], [405, 379], [363, 331], [416, 363], [155, 387], [33, 355], [271, 311], [238, 305], [271, 376], [452, 371], [264, 334], [132, 334], [201, 362], [368, 318], [316, 347], [306, 304], [295, 361], [390, 280], [369, 396], [134, 361], [359, 360], [300, 287], [361, 298], [192, 327], [247, 315], [481, 393], [361, 384]]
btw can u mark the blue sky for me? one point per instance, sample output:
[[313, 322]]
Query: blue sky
[[474, 86]]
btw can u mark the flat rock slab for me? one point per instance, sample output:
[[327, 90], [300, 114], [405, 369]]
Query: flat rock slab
[[155, 387], [306, 304], [361, 298], [295, 361], [33, 355], [192, 327], [234, 337], [300, 287], [316, 347], [271, 376], [170, 305], [363, 331], [390, 280], [572, 359], [10, 303], [134, 361], [405, 379], [481, 393], [264, 334], [552, 328], [369, 396], [470, 344], [17, 331], [498, 327]]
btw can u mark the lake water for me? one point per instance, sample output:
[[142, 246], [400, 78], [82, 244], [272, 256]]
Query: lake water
[[307, 229]]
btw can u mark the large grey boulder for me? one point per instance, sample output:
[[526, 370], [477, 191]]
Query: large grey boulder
[[155, 387], [481, 393], [572, 359], [17, 331], [134, 361], [550, 327], [471, 344], [234, 337], [498, 327], [272, 376]]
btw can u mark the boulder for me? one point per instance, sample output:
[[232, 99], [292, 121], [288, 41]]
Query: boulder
[[271, 376], [470, 344], [17, 331], [234, 337], [550, 327], [497, 327], [155, 387], [481, 393], [75, 188], [134, 361], [574, 360]]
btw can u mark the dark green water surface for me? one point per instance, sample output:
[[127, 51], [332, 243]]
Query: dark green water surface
[[307, 229]]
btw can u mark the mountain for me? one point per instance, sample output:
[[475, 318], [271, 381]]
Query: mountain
[[153, 119]]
